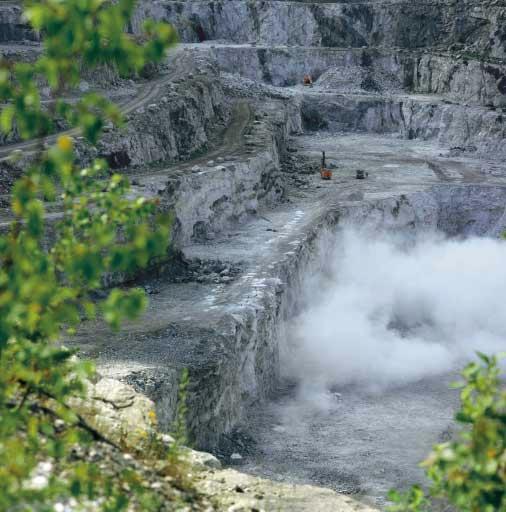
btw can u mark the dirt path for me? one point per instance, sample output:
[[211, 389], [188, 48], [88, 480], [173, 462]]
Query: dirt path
[[231, 141], [148, 92]]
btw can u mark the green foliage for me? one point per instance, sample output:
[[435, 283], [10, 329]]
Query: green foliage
[[179, 429], [77, 34], [469, 472], [48, 273], [177, 452]]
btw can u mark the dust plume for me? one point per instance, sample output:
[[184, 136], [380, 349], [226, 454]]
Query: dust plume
[[389, 312]]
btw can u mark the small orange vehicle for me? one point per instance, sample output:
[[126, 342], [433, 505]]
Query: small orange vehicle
[[325, 174]]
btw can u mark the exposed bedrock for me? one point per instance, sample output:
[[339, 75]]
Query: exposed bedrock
[[230, 335], [463, 79], [285, 66], [472, 210], [470, 24], [12, 25], [474, 129], [210, 137], [373, 70], [456, 210], [170, 121], [227, 336], [215, 195], [176, 125], [335, 112]]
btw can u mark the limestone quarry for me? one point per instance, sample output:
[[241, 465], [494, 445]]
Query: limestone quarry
[[227, 137]]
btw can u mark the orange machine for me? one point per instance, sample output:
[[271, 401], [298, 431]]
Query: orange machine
[[325, 174]]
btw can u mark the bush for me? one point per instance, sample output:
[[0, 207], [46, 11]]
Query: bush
[[46, 282]]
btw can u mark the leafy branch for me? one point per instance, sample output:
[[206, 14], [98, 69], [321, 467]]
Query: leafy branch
[[49, 269]]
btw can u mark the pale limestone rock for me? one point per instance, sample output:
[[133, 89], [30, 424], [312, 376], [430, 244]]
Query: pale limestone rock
[[237, 491], [202, 459], [118, 412]]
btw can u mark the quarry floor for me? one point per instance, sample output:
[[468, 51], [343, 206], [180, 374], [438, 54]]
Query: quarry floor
[[362, 444], [356, 442], [396, 166]]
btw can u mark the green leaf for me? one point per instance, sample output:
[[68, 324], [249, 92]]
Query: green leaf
[[7, 118], [46, 280]]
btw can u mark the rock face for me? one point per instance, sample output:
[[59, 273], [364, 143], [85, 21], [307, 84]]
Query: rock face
[[474, 129], [214, 197], [284, 66], [454, 210], [467, 79], [118, 412], [179, 122], [346, 24], [456, 76], [12, 26]]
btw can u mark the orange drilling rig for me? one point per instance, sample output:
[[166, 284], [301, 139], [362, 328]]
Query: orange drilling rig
[[325, 174]]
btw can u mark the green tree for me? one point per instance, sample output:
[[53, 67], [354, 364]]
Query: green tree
[[47, 272], [470, 471]]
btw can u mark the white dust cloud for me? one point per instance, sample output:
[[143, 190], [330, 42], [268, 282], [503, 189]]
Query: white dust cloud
[[388, 312]]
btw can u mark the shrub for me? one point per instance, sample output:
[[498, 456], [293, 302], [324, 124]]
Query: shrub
[[46, 281]]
